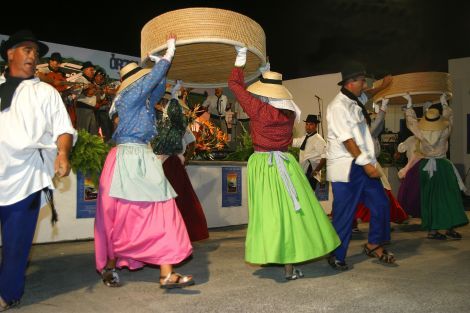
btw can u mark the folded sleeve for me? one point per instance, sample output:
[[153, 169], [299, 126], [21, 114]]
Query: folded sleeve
[[340, 124]]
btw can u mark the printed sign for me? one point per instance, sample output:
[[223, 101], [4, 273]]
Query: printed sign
[[87, 194], [231, 186]]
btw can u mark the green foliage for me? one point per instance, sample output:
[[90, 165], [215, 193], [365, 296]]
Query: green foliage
[[244, 149], [88, 155], [295, 152]]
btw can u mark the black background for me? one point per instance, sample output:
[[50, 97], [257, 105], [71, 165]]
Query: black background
[[304, 38]]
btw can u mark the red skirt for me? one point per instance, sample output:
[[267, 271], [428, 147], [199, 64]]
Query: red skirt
[[187, 200], [397, 214]]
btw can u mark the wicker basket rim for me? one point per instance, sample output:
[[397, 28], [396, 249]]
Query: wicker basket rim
[[208, 40], [412, 93]]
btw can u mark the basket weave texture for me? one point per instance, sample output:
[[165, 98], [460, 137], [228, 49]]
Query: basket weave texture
[[205, 43], [422, 86]]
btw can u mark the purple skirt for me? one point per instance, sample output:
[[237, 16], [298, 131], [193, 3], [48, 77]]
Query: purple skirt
[[409, 192]]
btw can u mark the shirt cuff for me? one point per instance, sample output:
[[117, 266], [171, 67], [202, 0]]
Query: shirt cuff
[[363, 159]]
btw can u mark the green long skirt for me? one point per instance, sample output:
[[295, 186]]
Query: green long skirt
[[441, 200], [276, 232]]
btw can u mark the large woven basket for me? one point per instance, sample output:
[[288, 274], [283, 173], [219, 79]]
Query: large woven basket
[[422, 86], [205, 43]]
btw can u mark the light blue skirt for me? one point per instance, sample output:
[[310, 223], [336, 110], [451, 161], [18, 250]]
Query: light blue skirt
[[139, 176]]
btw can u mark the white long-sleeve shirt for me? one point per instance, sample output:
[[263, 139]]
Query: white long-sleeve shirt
[[215, 105], [28, 130], [346, 121], [315, 150]]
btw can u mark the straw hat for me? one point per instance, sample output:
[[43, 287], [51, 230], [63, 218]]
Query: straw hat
[[432, 121], [167, 95], [270, 85], [130, 73]]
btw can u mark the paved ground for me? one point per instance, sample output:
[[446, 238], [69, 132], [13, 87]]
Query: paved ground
[[432, 276]]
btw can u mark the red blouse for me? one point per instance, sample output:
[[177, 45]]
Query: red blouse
[[271, 130]]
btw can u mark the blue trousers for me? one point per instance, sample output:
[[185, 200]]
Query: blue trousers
[[346, 197], [18, 222]]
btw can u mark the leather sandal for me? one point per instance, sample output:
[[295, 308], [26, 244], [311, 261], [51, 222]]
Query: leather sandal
[[436, 236], [293, 273], [452, 234], [180, 282], [385, 258], [110, 277]]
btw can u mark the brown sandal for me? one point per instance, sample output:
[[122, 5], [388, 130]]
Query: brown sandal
[[110, 277], [386, 257], [180, 282]]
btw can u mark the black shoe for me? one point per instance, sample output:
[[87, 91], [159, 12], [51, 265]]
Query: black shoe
[[337, 265], [437, 236], [453, 234]]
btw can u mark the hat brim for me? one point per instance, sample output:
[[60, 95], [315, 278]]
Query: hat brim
[[132, 79], [167, 96], [440, 124], [353, 76], [6, 45], [270, 90]]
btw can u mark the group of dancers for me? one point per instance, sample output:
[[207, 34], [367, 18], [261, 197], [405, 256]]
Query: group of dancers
[[139, 219]]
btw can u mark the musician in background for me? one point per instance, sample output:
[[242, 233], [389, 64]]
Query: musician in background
[[87, 100], [216, 105], [105, 95], [55, 76]]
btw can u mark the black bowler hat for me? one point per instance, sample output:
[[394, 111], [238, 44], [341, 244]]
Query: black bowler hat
[[352, 70], [56, 57], [101, 72], [87, 64], [19, 37], [312, 119]]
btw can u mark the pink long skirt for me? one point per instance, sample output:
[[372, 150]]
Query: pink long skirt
[[137, 233]]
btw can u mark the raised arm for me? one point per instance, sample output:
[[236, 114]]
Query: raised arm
[[386, 81], [411, 119], [378, 125], [159, 70]]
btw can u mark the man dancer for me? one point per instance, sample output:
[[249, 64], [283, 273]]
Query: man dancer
[[351, 169]]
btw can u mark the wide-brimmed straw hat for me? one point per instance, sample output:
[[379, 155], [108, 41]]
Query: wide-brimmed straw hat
[[432, 120], [130, 73], [270, 85], [19, 37]]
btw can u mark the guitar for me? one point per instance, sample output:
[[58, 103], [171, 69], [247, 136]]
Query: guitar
[[58, 80]]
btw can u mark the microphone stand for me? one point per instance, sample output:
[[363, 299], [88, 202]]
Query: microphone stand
[[320, 104]]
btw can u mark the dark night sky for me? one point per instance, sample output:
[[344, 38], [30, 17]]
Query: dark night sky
[[304, 38]]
